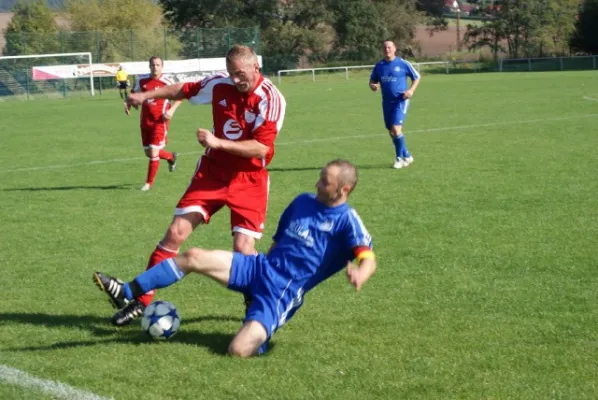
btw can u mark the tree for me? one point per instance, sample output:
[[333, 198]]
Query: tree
[[585, 37], [222, 13], [358, 29], [32, 30], [118, 30], [301, 31], [528, 28]]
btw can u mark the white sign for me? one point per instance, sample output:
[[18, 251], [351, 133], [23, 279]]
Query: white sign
[[201, 66]]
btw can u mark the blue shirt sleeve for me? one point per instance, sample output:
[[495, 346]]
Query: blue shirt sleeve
[[411, 71], [375, 77], [357, 233]]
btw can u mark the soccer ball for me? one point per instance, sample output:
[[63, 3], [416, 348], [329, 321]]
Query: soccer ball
[[160, 320]]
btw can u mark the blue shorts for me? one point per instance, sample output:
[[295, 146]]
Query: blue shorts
[[274, 300], [395, 113]]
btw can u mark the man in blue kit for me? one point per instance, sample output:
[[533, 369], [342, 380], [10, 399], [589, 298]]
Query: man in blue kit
[[391, 75], [317, 236]]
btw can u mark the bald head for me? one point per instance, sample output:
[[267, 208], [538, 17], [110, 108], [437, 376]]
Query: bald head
[[347, 173]]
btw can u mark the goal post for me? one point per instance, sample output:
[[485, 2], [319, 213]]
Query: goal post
[[23, 75]]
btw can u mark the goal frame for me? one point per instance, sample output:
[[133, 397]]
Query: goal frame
[[88, 54]]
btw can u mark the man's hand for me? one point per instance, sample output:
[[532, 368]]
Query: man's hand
[[206, 138], [374, 87], [354, 275], [408, 94], [168, 114], [136, 99]]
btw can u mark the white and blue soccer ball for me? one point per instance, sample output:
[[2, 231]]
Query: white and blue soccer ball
[[161, 320]]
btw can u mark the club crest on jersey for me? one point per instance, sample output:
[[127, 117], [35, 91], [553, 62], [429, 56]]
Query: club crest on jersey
[[232, 130], [326, 226], [397, 69], [249, 117]]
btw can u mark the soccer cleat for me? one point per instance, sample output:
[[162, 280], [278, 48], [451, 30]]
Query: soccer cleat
[[172, 164], [408, 160], [400, 163], [113, 288], [128, 314], [146, 187]]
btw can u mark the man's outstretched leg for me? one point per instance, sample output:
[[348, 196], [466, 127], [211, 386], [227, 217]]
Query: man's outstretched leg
[[215, 264]]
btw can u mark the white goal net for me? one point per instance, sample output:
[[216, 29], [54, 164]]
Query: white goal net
[[26, 76]]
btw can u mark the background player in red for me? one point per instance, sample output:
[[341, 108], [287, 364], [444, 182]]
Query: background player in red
[[248, 112], [155, 116]]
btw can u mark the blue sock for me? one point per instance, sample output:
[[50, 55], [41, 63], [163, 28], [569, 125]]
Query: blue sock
[[159, 276], [406, 153], [398, 141], [263, 348]]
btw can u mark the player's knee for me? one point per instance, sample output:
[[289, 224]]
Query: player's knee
[[242, 350], [192, 258], [244, 244], [175, 236]]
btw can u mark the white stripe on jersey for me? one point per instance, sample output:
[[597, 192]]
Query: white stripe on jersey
[[413, 70], [206, 93], [272, 105], [362, 233]]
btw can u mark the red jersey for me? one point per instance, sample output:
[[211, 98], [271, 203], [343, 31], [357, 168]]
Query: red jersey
[[257, 115], [152, 109]]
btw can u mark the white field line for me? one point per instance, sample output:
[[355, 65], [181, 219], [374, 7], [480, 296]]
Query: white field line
[[590, 98], [55, 389], [326, 139]]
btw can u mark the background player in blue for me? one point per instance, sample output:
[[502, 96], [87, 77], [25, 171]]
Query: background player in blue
[[391, 75], [317, 236]]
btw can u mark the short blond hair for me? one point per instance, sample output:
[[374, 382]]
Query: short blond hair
[[241, 52], [347, 174]]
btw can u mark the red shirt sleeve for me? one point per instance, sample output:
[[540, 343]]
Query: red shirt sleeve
[[271, 116], [191, 89]]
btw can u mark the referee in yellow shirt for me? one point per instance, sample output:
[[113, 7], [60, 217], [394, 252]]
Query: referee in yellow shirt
[[122, 81]]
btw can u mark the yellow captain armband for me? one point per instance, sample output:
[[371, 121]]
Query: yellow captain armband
[[367, 254]]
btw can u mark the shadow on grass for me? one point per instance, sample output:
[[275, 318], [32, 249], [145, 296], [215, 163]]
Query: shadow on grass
[[126, 186], [215, 341]]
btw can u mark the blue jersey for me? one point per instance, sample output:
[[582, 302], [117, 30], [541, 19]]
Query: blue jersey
[[314, 241], [392, 76]]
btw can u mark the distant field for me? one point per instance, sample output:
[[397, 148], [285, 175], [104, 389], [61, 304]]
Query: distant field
[[486, 247]]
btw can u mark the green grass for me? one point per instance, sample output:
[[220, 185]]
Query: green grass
[[486, 288]]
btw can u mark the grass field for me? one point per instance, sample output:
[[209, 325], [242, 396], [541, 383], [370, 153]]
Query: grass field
[[487, 249]]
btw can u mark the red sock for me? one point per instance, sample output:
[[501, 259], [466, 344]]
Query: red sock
[[152, 170], [159, 254], [165, 155]]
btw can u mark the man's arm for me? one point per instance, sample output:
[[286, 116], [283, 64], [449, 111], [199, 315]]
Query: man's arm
[[414, 84], [360, 274], [374, 86], [244, 148], [170, 112], [171, 92]]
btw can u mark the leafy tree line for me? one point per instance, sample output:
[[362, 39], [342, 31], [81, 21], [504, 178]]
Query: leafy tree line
[[291, 31], [8, 5], [537, 28], [326, 30]]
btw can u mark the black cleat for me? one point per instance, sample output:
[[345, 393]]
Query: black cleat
[[128, 314], [172, 164], [113, 288]]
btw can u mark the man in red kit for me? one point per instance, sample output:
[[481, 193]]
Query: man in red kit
[[155, 116], [248, 112]]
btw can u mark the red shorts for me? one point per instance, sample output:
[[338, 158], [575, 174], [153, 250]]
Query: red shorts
[[244, 193], [155, 136]]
